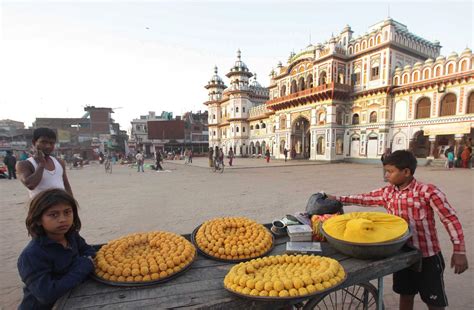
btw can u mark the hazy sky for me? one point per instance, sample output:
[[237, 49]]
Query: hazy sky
[[140, 56]]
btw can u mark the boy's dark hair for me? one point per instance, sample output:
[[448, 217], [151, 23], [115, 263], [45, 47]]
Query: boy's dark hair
[[43, 132], [402, 159], [42, 202]]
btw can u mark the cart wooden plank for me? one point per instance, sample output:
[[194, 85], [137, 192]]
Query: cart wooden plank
[[201, 287]]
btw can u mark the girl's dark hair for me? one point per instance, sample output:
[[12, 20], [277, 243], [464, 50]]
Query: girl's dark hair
[[401, 159], [42, 202], [43, 132]]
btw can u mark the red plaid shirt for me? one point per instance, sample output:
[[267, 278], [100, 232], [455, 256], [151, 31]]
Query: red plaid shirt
[[416, 204]]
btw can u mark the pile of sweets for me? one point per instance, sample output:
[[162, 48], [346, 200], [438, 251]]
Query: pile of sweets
[[144, 257], [233, 238], [366, 227], [284, 276]]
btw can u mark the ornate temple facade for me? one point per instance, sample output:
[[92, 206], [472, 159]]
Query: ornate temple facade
[[349, 98], [230, 108]]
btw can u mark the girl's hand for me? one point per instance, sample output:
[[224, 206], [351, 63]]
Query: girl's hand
[[459, 262]]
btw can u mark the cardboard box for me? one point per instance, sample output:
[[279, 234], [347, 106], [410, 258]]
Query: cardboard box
[[304, 247], [300, 233]]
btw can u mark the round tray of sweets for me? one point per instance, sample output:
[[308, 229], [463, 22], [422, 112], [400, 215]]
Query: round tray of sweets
[[300, 297], [193, 240], [143, 283], [316, 291], [162, 255]]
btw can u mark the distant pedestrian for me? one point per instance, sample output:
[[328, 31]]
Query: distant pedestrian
[[220, 157], [267, 155], [285, 152], [211, 157], [158, 160], [216, 154], [450, 155], [382, 158], [186, 157], [466, 157], [458, 160], [101, 158], [231, 157], [10, 162], [190, 156], [140, 160]]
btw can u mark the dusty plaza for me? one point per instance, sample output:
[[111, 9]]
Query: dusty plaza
[[179, 200]]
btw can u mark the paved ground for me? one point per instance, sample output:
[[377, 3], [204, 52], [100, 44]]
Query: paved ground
[[178, 201]]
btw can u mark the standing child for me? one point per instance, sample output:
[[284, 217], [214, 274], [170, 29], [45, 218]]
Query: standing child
[[451, 159], [57, 259], [417, 203], [267, 155]]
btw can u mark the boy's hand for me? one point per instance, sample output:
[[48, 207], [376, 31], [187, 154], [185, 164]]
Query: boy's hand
[[40, 158], [459, 262], [331, 197]]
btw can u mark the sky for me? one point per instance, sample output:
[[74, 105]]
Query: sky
[[56, 57]]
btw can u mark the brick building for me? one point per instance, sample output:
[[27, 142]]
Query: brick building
[[95, 131]]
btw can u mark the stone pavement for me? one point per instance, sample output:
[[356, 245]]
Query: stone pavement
[[126, 202], [246, 163]]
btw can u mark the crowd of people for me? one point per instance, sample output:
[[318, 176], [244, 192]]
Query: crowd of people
[[463, 158]]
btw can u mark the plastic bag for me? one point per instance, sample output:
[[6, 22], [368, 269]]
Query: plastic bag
[[316, 223], [318, 204]]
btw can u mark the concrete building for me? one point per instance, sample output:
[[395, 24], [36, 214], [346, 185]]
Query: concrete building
[[139, 133], [151, 133]]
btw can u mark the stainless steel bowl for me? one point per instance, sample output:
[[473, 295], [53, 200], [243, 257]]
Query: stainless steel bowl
[[368, 250]]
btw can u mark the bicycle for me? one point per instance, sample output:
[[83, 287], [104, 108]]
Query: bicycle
[[362, 296], [107, 166], [218, 166]]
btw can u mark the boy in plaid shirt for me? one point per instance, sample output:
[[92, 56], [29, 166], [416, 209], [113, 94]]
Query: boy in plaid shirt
[[417, 203]]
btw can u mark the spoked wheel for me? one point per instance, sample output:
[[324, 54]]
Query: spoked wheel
[[362, 296]]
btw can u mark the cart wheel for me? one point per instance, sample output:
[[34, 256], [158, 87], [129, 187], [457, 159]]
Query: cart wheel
[[363, 296]]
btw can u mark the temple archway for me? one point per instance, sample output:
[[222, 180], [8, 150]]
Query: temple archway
[[301, 138], [420, 145]]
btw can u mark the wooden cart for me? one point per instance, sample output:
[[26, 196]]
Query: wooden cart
[[201, 287]]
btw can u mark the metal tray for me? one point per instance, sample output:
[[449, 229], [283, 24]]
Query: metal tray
[[147, 283], [193, 240], [267, 298]]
